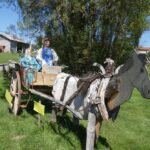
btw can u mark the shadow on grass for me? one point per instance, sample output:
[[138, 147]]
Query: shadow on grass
[[66, 123], [78, 130], [103, 141]]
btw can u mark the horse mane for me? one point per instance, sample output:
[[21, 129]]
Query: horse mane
[[125, 67], [130, 62]]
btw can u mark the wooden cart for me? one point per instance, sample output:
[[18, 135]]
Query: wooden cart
[[40, 86]]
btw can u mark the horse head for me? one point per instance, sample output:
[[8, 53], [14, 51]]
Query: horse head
[[133, 74], [140, 78]]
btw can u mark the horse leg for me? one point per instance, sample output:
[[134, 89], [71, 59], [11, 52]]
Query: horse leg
[[90, 130], [75, 120], [64, 111], [97, 128]]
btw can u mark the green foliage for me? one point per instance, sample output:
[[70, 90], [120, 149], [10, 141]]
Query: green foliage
[[84, 31]]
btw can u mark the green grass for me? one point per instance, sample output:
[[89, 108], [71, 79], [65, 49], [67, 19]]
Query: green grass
[[4, 57], [129, 132]]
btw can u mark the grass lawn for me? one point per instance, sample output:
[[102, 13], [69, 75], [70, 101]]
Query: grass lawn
[[4, 57], [129, 132]]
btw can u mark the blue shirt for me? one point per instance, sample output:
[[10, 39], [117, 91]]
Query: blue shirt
[[30, 62], [47, 55]]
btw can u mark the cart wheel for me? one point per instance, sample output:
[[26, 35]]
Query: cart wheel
[[13, 84], [15, 90]]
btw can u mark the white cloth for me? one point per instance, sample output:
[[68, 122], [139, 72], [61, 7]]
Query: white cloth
[[39, 56]]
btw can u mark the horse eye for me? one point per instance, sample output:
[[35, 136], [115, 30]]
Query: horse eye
[[142, 70]]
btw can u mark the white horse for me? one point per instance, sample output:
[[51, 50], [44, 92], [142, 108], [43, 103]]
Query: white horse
[[132, 74]]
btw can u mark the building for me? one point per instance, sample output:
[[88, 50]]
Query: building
[[144, 50], [2, 47], [10, 43]]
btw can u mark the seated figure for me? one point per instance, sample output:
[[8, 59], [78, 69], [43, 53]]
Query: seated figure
[[30, 65]]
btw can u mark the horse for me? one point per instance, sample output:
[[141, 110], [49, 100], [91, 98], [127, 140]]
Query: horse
[[133, 74]]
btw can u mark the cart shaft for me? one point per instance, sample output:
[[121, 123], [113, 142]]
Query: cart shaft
[[77, 114]]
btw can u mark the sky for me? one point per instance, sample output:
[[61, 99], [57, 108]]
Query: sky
[[145, 39], [9, 16]]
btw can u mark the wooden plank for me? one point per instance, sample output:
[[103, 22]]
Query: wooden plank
[[4, 67], [39, 79], [3, 64], [77, 114], [49, 78], [44, 79], [51, 69]]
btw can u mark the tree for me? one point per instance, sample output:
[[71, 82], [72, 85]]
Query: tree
[[84, 31], [11, 30]]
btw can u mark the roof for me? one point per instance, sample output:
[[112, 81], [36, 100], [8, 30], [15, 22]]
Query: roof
[[144, 48], [12, 37]]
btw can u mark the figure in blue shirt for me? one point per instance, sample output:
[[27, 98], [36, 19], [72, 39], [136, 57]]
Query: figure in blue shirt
[[47, 55]]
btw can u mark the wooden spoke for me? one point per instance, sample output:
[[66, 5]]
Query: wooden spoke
[[13, 84], [15, 90]]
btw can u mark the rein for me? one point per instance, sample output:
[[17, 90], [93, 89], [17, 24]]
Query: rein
[[100, 99], [64, 88], [83, 85]]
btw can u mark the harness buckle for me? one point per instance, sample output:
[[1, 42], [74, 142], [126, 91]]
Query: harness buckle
[[97, 100]]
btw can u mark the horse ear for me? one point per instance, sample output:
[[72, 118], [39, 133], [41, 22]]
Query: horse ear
[[141, 55]]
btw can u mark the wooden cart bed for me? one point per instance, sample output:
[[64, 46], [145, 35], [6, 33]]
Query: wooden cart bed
[[46, 77]]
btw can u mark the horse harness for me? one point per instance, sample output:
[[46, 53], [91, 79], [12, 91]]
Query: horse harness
[[82, 88], [100, 98]]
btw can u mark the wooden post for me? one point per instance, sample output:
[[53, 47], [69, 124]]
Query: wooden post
[[39, 117], [97, 128], [54, 114], [90, 137]]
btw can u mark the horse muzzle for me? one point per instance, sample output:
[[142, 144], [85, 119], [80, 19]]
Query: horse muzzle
[[145, 92]]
